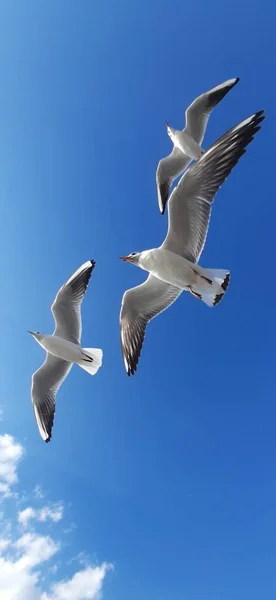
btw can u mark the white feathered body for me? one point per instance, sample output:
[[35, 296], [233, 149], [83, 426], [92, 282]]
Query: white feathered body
[[61, 348], [187, 144], [180, 272], [89, 359]]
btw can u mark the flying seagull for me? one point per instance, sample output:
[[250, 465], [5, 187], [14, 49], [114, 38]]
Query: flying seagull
[[187, 143], [173, 266], [63, 348]]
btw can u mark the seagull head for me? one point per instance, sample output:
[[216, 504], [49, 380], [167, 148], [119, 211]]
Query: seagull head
[[36, 334], [133, 257]]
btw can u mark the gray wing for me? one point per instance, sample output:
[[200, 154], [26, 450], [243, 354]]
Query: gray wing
[[139, 305], [45, 384], [190, 203], [197, 114], [66, 308], [168, 169]]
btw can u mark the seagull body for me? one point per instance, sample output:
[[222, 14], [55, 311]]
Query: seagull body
[[182, 273], [174, 266], [63, 349], [187, 143], [60, 347]]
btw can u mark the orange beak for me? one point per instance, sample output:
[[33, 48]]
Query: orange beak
[[125, 258]]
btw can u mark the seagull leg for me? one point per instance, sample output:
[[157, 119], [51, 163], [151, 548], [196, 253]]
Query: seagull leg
[[88, 358], [203, 277], [195, 294]]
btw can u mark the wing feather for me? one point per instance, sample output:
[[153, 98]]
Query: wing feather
[[45, 383], [168, 169], [190, 203], [139, 305], [66, 308], [198, 113]]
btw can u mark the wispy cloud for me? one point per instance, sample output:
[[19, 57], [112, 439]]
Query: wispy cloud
[[28, 562], [52, 512], [10, 454], [38, 493]]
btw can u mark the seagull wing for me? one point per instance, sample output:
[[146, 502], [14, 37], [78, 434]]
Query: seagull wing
[[198, 113], [190, 203], [66, 308], [45, 383], [139, 305], [168, 169]]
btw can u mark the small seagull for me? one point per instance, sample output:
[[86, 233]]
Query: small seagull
[[173, 267], [187, 143], [63, 349]]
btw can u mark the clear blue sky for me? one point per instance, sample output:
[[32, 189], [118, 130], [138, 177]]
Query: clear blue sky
[[171, 474]]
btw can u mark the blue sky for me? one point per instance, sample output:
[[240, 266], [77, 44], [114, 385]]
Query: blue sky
[[170, 475]]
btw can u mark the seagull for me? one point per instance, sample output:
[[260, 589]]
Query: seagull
[[187, 143], [62, 348], [173, 267]]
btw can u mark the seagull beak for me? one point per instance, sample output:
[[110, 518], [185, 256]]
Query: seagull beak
[[31, 332], [167, 124], [125, 258]]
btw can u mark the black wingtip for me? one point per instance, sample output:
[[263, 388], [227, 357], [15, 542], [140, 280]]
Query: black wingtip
[[257, 119], [48, 440], [163, 194], [131, 372], [260, 113], [93, 263]]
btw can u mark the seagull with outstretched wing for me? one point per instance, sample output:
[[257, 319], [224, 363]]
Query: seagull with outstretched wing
[[63, 349], [187, 143]]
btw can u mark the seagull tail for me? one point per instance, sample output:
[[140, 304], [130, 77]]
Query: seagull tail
[[212, 285], [92, 360]]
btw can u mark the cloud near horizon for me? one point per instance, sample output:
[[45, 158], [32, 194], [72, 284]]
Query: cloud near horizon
[[27, 557]]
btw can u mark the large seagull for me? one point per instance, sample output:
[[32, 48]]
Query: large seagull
[[173, 267]]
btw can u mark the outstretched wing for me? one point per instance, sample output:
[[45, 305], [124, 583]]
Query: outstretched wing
[[45, 384], [190, 203], [139, 305], [66, 308], [198, 113], [168, 169]]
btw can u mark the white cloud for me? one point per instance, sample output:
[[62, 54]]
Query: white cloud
[[52, 512], [26, 561], [10, 454], [84, 585], [25, 515], [34, 549], [18, 578]]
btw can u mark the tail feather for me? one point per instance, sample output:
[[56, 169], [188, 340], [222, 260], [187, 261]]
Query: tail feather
[[96, 356], [212, 293], [220, 276]]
